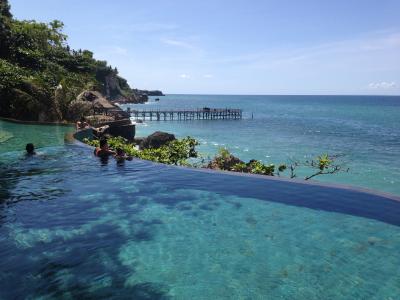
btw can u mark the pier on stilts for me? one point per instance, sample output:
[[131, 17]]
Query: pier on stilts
[[187, 114]]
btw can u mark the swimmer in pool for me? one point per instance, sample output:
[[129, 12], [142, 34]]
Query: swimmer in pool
[[30, 149], [121, 155], [103, 150]]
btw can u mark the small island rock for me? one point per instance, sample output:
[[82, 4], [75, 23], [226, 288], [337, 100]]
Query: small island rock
[[156, 140]]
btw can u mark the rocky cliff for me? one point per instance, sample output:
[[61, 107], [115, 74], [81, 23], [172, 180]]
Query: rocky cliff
[[116, 89]]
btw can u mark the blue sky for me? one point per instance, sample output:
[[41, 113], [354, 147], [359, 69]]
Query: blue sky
[[237, 46]]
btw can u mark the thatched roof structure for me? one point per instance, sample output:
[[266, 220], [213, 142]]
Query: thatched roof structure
[[103, 103]]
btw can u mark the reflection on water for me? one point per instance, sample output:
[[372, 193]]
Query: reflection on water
[[5, 136]]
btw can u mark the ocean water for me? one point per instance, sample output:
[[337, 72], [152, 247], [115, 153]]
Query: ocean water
[[365, 129], [73, 227]]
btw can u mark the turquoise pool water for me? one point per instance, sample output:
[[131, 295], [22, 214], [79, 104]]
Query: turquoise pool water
[[74, 227], [15, 136]]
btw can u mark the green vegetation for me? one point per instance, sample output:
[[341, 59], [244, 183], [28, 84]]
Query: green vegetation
[[321, 165], [324, 164], [178, 152], [40, 76], [224, 160]]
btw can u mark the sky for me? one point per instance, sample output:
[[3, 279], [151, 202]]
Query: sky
[[237, 46]]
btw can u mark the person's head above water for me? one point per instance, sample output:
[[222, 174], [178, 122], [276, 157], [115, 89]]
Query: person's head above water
[[120, 152], [103, 143], [103, 150], [30, 148]]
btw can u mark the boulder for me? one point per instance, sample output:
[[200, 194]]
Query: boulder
[[126, 131], [156, 140], [138, 140]]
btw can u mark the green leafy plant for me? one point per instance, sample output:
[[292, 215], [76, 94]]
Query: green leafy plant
[[240, 167], [257, 167], [325, 164], [176, 152], [321, 165]]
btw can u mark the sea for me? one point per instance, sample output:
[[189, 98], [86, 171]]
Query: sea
[[362, 131]]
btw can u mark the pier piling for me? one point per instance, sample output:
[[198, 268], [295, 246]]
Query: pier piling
[[185, 115]]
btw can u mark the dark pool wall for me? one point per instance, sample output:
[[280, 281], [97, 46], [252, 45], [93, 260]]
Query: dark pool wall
[[82, 134]]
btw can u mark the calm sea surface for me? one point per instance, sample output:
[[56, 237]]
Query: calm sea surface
[[365, 129]]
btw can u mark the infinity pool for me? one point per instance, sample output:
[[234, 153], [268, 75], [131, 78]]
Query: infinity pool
[[74, 227]]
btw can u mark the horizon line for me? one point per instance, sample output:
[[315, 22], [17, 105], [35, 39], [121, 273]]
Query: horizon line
[[222, 94]]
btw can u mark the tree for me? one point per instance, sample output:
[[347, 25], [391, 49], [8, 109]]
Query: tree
[[35, 59], [322, 165], [5, 28], [56, 36], [5, 9]]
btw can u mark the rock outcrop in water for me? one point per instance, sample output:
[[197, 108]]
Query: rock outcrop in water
[[149, 93], [156, 140]]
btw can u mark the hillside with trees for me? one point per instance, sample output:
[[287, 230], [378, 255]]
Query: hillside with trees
[[41, 76]]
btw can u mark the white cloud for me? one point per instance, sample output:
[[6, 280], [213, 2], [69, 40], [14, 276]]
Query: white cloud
[[184, 76], [367, 44], [383, 85]]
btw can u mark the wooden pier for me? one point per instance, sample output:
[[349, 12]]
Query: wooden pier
[[187, 114]]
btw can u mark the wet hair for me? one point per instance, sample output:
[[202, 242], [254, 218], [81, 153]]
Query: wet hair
[[120, 151], [103, 142], [30, 148]]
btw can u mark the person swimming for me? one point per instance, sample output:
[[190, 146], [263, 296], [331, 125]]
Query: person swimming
[[30, 149], [104, 150], [121, 155]]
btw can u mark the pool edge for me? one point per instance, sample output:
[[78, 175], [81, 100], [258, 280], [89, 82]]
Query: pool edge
[[270, 178]]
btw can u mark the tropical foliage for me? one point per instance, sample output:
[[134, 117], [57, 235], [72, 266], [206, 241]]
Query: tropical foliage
[[224, 160], [179, 152], [321, 165], [40, 75], [176, 152]]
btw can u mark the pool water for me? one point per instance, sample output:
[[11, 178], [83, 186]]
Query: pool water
[[72, 226], [14, 136]]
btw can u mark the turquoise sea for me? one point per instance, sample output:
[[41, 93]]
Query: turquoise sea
[[365, 129]]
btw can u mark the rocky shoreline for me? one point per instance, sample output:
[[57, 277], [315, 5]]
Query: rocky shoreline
[[140, 96]]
